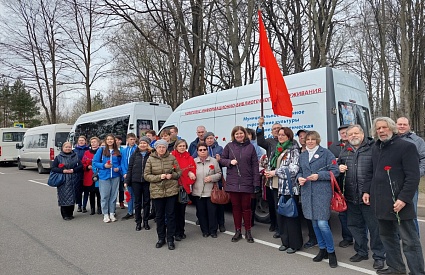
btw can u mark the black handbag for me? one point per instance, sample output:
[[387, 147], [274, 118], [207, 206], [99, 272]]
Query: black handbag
[[288, 208], [95, 176], [183, 196]]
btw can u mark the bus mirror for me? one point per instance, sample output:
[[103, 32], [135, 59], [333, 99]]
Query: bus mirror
[[19, 145]]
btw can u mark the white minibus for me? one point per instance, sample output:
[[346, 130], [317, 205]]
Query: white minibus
[[41, 145], [8, 139]]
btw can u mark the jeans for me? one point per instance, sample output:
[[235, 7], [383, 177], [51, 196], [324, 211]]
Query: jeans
[[324, 235], [346, 234], [241, 208], [141, 200], [108, 194], [130, 203], [391, 233], [415, 205], [360, 219], [165, 207]]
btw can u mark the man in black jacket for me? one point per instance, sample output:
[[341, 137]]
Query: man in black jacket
[[390, 194], [355, 165]]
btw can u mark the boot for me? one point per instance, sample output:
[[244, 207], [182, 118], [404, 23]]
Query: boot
[[146, 225], [237, 236], [84, 210], [323, 254], [92, 211], [138, 226], [248, 236], [332, 260]]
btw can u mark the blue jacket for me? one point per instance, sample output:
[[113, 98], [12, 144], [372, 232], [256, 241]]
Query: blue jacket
[[99, 162], [126, 153], [213, 150], [80, 150]]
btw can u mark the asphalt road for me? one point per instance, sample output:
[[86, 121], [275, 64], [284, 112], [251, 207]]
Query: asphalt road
[[35, 240]]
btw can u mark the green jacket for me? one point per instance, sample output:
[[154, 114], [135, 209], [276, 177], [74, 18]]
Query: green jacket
[[155, 166]]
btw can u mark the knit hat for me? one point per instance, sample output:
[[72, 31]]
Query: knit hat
[[208, 134], [160, 142], [145, 139]]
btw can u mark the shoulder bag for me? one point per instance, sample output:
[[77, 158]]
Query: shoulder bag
[[219, 196], [56, 179], [183, 196], [288, 208], [338, 202]]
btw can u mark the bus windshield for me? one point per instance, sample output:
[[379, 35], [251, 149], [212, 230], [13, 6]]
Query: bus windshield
[[351, 113], [13, 136]]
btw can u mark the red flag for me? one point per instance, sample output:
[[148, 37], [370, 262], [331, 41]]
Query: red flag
[[281, 102]]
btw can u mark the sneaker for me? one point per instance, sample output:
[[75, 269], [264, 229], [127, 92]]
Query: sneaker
[[378, 264], [276, 235], [79, 209], [310, 243], [122, 205], [345, 243], [127, 217], [358, 258], [291, 251], [112, 217], [106, 218]]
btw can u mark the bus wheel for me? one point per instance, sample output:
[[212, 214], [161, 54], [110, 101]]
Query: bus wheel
[[262, 210], [20, 166], [40, 168]]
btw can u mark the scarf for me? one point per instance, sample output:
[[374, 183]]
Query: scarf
[[280, 148], [311, 152]]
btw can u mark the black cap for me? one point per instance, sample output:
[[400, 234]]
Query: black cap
[[344, 126], [301, 131]]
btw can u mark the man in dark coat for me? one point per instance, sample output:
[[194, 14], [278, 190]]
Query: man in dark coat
[[355, 165], [390, 194], [336, 148], [269, 145]]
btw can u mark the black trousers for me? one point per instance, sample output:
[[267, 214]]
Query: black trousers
[[141, 200], [180, 210], [67, 211], [165, 207], [206, 211], [272, 207], [94, 193], [121, 191], [290, 229]]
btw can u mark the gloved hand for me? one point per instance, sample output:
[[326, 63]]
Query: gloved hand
[[257, 189]]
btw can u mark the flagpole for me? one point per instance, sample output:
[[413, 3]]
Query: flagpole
[[261, 89]]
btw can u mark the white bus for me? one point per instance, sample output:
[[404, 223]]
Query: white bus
[[8, 139], [41, 145], [322, 99], [135, 117]]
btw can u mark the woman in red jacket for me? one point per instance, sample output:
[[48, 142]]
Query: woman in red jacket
[[188, 177], [88, 185]]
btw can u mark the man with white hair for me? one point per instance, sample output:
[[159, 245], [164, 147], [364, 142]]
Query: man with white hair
[[390, 193]]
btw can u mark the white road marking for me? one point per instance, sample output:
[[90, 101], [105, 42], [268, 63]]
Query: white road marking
[[45, 184], [305, 254]]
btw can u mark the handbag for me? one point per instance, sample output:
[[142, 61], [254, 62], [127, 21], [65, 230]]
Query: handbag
[[183, 196], [288, 208], [219, 196], [338, 202], [56, 179], [95, 176]]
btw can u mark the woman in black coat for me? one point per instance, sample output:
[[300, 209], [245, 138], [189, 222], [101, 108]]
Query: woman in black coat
[[67, 163], [134, 178]]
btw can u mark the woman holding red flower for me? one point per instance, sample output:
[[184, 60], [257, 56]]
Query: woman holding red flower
[[108, 161], [67, 163], [208, 173], [316, 164], [188, 167]]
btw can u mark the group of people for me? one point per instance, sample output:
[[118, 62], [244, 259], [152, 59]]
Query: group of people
[[160, 172]]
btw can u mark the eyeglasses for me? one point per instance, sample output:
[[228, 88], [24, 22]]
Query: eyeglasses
[[202, 150]]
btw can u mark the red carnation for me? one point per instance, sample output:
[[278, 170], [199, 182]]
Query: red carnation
[[334, 162], [212, 167], [127, 196], [224, 139], [350, 149], [108, 162], [280, 149], [387, 168], [216, 137], [341, 144], [61, 165], [174, 166]]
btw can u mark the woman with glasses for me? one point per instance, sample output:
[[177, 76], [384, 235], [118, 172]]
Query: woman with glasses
[[284, 163], [316, 164], [208, 173], [243, 179]]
